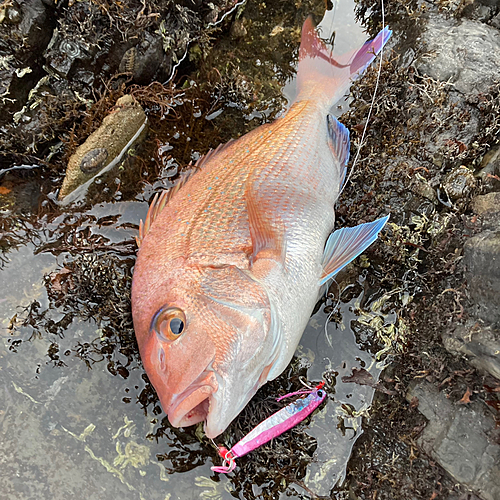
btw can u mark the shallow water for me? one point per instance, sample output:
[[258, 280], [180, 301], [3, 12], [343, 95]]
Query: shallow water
[[76, 414]]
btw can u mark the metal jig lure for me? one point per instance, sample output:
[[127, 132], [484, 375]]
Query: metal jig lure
[[278, 423]]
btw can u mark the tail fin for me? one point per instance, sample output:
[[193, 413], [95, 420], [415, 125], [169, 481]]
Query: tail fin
[[322, 77]]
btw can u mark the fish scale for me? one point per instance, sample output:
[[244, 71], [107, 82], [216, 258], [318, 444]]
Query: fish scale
[[239, 251]]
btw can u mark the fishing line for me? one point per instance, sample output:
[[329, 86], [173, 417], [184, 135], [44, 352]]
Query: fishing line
[[372, 105], [361, 143]]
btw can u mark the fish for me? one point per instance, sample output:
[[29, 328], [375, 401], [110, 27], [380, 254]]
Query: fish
[[234, 257]]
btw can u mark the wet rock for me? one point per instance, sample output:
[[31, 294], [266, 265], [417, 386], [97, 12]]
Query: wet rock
[[463, 123], [495, 22], [486, 204], [489, 171], [420, 185], [25, 29], [459, 183], [458, 437], [456, 54], [63, 52], [35, 25], [103, 149], [482, 262], [479, 343], [143, 60]]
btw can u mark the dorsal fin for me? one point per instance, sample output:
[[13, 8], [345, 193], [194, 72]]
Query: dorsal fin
[[158, 204], [159, 201], [202, 160], [155, 208]]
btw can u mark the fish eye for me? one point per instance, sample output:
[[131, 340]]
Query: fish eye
[[176, 326], [320, 393], [169, 323]]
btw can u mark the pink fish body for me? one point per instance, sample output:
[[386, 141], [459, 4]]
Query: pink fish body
[[232, 260]]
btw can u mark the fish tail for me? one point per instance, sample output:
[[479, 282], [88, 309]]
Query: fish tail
[[324, 77]]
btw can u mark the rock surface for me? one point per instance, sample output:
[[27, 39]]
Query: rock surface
[[456, 54], [119, 130], [482, 259], [490, 169], [458, 437], [487, 204], [481, 344]]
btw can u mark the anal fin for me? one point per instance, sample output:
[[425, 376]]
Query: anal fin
[[345, 244]]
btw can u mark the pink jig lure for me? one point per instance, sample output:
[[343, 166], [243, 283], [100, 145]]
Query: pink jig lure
[[278, 423]]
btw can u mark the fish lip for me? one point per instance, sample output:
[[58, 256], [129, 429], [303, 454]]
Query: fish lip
[[189, 407], [221, 414]]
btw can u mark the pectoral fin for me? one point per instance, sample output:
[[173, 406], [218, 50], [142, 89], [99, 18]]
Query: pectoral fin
[[267, 238], [345, 244]]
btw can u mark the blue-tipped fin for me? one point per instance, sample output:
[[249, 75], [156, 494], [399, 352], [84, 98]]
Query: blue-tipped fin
[[339, 142], [338, 139], [345, 244], [367, 53]]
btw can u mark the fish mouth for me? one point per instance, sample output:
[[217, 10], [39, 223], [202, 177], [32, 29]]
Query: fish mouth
[[192, 405]]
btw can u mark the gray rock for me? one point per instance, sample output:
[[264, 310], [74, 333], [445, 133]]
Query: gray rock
[[457, 436], [490, 167], [480, 343], [495, 22], [35, 25], [464, 53], [458, 132], [482, 261], [486, 204]]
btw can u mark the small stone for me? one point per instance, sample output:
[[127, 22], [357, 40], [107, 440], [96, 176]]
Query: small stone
[[486, 204], [13, 14], [94, 160], [490, 165], [421, 186], [238, 29], [459, 183]]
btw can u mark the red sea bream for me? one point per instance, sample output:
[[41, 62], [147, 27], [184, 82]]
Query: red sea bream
[[232, 260]]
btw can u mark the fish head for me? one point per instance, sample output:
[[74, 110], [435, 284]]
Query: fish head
[[206, 341]]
